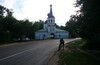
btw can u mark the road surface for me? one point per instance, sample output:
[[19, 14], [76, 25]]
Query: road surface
[[29, 53]]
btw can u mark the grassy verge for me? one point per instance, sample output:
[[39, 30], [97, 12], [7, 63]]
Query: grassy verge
[[72, 56]]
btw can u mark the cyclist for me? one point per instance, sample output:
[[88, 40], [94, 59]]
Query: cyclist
[[61, 44]]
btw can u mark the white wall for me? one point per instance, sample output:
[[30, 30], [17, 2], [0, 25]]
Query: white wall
[[41, 35], [47, 35], [51, 22], [62, 35]]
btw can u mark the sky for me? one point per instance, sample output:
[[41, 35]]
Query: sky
[[35, 10]]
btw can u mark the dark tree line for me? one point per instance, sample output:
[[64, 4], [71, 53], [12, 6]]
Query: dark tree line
[[86, 23], [72, 27], [12, 29]]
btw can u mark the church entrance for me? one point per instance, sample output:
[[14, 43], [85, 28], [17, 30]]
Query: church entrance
[[52, 36]]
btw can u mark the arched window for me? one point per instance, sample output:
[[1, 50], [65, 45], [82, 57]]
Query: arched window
[[51, 20], [59, 35], [44, 36]]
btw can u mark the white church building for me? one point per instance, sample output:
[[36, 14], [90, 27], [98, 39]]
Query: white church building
[[49, 29]]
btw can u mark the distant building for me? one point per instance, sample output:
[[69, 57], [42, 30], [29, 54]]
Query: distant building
[[49, 29]]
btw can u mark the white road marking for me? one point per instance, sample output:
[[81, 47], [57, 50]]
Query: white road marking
[[14, 55]]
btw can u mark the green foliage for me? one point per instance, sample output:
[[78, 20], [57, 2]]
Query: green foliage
[[72, 26], [74, 57], [86, 23], [4, 10], [37, 26], [90, 21], [74, 44], [12, 29]]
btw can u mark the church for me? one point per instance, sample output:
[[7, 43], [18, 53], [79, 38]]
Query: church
[[49, 30]]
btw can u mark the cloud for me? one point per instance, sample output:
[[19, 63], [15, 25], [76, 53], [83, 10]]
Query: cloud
[[1, 1], [38, 9], [19, 5], [8, 3]]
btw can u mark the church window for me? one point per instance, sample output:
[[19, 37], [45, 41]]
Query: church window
[[44, 36], [51, 21], [59, 35]]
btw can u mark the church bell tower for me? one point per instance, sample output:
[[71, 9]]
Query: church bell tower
[[51, 21]]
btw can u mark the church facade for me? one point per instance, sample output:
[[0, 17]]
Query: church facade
[[49, 29]]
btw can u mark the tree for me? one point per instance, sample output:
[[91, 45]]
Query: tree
[[72, 27], [4, 10], [62, 27], [4, 33], [25, 29], [12, 29], [90, 22], [37, 26]]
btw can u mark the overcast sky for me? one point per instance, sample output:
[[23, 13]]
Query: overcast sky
[[35, 10]]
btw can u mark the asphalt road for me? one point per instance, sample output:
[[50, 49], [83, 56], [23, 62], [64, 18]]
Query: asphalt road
[[29, 53]]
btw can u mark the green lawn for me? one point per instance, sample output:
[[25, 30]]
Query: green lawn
[[72, 56]]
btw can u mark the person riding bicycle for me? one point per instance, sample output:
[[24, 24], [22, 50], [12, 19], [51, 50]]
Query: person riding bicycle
[[61, 44]]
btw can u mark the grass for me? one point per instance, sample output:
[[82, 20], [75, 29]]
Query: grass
[[74, 44], [74, 57]]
